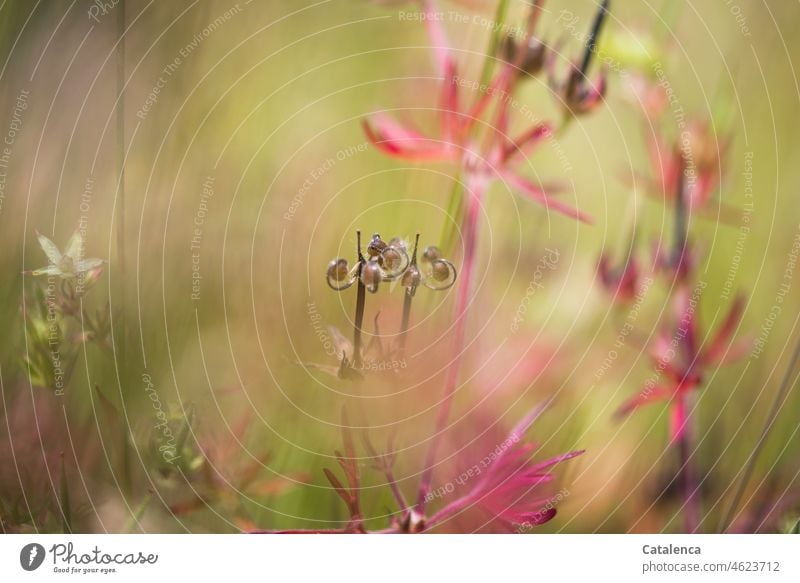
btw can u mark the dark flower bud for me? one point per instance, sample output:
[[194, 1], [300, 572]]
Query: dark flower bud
[[535, 52]]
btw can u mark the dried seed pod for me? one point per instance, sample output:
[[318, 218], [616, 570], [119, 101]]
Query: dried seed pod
[[398, 243], [371, 275], [440, 270], [431, 254], [394, 261], [339, 276], [442, 275], [391, 258], [376, 246], [337, 269]]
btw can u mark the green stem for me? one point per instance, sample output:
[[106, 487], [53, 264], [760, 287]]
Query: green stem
[[786, 384], [454, 208], [122, 343], [494, 41], [454, 205], [133, 522], [670, 13]]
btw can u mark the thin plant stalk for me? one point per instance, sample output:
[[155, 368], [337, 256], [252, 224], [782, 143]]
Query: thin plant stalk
[[670, 12], [475, 193], [361, 298], [476, 187], [691, 514], [454, 205], [688, 477], [494, 41], [787, 382], [122, 344], [454, 210], [681, 225], [407, 299], [404, 323], [591, 43]]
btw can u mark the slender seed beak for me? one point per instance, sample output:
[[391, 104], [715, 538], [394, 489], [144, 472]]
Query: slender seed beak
[[361, 296], [591, 44], [409, 296]]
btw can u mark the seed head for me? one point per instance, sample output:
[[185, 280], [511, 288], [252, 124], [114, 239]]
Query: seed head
[[431, 254], [371, 275], [339, 276]]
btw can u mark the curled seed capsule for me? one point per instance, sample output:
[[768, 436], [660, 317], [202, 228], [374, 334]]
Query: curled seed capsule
[[431, 254], [371, 276], [391, 258], [394, 261], [442, 276], [376, 246], [441, 270], [337, 269], [339, 276]]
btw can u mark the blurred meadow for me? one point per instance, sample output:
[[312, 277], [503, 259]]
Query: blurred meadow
[[213, 153]]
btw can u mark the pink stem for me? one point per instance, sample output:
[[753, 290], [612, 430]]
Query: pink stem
[[476, 187], [449, 510], [691, 510], [437, 35]]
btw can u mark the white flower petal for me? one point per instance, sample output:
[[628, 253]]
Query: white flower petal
[[87, 264], [49, 248], [49, 270], [75, 246]]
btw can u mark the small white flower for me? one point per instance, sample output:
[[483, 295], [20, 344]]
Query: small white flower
[[69, 264]]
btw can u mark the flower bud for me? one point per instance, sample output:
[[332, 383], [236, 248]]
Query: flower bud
[[535, 52]]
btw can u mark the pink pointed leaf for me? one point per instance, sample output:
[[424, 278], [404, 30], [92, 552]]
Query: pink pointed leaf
[[644, 397], [537, 194]]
